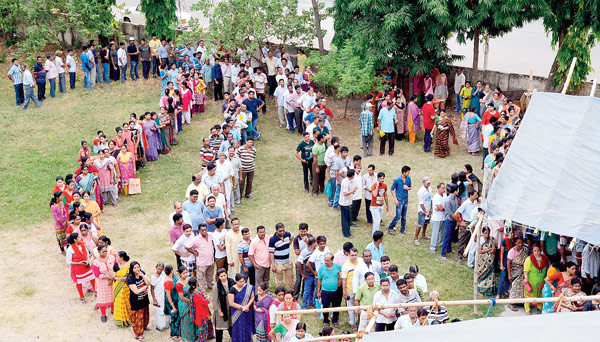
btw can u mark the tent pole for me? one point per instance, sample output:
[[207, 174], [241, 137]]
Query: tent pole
[[569, 75], [477, 233], [530, 80], [593, 88]]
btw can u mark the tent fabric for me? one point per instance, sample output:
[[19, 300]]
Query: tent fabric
[[549, 178], [576, 326]]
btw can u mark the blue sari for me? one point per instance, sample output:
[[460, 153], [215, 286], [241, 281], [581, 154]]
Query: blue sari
[[87, 184], [242, 322]]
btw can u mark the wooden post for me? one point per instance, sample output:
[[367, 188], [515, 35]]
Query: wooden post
[[476, 265], [530, 80], [569, 75]]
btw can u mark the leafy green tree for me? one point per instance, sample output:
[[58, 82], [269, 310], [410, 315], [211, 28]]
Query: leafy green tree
[[161, 17], [250, 23], [574, 26], [343, 69]]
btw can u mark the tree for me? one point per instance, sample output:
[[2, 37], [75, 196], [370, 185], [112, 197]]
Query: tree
[[404, 33], [232, 25], [315, 6], [573, 26], [343, 69], [488, 18], [161, 18]]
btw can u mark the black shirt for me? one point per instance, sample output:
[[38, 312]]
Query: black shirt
[[104, 56], [132, 49], [137, 301]]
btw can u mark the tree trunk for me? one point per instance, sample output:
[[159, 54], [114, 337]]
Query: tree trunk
[[346, 107], [550, 81], [475, 55], [315, 6]]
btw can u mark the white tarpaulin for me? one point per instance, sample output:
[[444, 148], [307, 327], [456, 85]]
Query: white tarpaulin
[[549, 179], [576, 326]]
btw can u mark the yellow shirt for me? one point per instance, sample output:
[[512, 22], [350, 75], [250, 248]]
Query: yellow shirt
[[349, 275], [154, 45], [301, 60]]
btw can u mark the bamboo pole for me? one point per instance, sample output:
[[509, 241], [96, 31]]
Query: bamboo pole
[[479, 222], [593, 88], [444, 303], [477, 233], [368, 329], [569, 75]]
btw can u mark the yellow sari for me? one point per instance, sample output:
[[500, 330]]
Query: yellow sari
[[93, 208], [122, 306]]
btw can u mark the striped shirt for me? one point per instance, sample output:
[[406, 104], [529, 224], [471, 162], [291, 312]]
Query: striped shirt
[[215, 143], [15, 73], [208, 155], [366, 123], [280, 248], [243, 248], [247, 158]]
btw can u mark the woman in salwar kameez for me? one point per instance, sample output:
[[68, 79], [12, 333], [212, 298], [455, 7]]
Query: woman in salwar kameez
[[172, 301], [172, 120], [126, 162], [200, 311], [444, 130], [515, 260], [535, 268], [157, 289], [121, 291], [61, 218], [163, 122], [486, 281], [261, 316], [400, 108], [103, 267], [241, 300], [92, 207], [413, 120], [470, 130]]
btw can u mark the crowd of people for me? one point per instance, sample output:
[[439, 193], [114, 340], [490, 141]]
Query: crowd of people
[[220, 276]]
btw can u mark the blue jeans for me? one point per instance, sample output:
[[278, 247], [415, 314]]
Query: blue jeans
[[98, 74], [133, 69], [400, 216], [310, 287], [449, 225], [123, 73], [254, 123], [503, 284], [336, 197], [244, 137], [62, 86], [333, 187], [86, 79], [52, 82], [105, 70], [19, 93], [72, 79], [30, 95], [290, 119], [458, 103]]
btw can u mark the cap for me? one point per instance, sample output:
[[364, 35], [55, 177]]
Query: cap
[[368, 105], [426, 180], [131, 38]]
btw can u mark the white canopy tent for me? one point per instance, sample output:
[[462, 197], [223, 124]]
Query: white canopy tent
[[549, 179], [580, 326]]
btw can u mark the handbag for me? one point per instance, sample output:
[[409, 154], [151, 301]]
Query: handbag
[[319, 305], [327, 190], [135, 186]]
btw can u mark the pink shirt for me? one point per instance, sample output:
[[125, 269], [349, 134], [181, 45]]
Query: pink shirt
[[175, 232], [340, 258], [205, 249], [259, 249], [186, 98]]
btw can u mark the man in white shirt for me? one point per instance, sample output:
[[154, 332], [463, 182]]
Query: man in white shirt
[[358, 195], [307, 101], [72, 68], [347, 191], [225, 168], [179, 210], [437, 218], [331, 155], [187, 259], [218, 237], [29, 84], [235, 70], [271, 62], [368, 180], [424, 209], [386, 319], [122, 57], [226, 70], [284, 64], [60, 65], [407, 321], [367, 265], [459, 83], [317, 257], [280, 101], [463, 218], [289, 110]]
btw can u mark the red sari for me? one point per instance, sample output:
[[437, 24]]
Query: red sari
[[80, 273]]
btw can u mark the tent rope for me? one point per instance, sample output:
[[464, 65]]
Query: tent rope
[[493, 304]]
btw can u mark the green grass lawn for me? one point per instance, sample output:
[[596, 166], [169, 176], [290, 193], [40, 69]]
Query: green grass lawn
[[40, 144]]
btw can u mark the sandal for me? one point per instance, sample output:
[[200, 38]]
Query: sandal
[[83, 300]]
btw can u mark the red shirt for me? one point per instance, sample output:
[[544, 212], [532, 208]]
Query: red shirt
[[428, 112], [487, 116]]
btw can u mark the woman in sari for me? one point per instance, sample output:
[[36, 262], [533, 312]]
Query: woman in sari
[[178, 109], [120, 138], [241, 300], [444, 130], [104, 240], [199, 93], [92, 207], [172, 128], [87, 237], [221, 304], [514, 264], [122, 307], [163, 78], [572, 291], [486, 280], [413, 119], [164, 122], [400, 107], [470, 130], [128, 134], [102, 267], [186, 97], [126, 163], [185, 287], [200, 311], [476, 95], [441, 91], [88, 182], [78, 256], [84, 152], [534, 270], [261, 316], [284, 331], [485, 99], [138, 284], [555, 282], [106, 177], [139, 153], [152, 136], [171, 301], [157, 289], [59, 213]]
